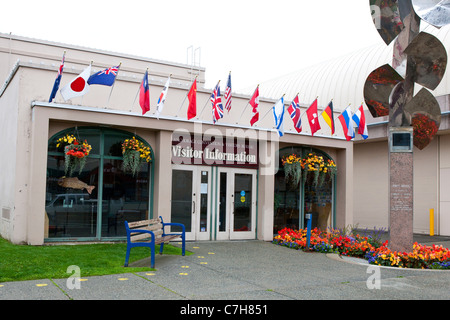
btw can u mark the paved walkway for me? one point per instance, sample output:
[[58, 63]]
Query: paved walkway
[[245, 270]]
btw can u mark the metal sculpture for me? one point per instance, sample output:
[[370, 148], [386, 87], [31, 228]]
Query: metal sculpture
[[414, 118], [418, 57]]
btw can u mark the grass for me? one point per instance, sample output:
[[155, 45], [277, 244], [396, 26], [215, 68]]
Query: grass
[[24, 262]]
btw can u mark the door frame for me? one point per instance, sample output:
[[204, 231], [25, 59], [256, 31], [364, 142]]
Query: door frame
[[197, 190], [229, 233]]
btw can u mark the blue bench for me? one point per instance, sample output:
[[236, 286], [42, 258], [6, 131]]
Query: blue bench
[[148, 233]]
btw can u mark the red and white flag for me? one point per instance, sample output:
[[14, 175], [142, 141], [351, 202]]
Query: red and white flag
[[254, 102], [313, 117], [192, 96], [78, 86]]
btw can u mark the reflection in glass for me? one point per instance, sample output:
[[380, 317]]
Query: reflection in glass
[[125, 198], [223, 202], [182, 210], [204, 202], [318, 202], [71, 212], [242, 202]]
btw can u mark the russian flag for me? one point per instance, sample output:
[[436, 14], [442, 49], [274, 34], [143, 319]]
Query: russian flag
[[346, 120], [360, 120]]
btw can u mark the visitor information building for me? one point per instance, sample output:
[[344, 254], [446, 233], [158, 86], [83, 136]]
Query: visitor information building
[[220, 176]]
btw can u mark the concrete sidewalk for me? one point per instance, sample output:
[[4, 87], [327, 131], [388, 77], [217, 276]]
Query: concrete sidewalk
[[244, 270]]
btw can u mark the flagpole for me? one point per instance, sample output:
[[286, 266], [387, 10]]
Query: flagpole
[[118, 68], [248, 102], [209, 98]]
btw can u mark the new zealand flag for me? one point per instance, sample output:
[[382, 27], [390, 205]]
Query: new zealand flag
[[105, 77]]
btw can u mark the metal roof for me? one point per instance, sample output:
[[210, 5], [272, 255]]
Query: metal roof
[[342, 79]]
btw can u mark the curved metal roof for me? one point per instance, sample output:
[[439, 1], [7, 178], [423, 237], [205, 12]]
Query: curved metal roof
[[342, 79]]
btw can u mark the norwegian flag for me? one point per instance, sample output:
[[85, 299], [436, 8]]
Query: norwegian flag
[[294, 112], [227, 94], [217, 107]]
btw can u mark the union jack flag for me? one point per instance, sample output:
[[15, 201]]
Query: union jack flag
[[217, 107], [227, 94], [104, 77], [294, 112], [112, 70]]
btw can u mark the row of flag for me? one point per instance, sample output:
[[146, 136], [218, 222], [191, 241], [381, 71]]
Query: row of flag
[[80, 86], [347, 119]]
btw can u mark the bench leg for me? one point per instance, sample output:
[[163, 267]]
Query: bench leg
[[152, 263], [183, 244], [161, 248], [127, 256]]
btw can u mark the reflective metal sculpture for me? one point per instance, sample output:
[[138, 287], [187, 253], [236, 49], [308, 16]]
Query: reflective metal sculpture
[[428, 60], [378, 88], [434, 12], [418, 57]]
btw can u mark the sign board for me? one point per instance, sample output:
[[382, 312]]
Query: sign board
[[220, 151]]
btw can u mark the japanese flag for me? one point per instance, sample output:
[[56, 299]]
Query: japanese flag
[[78, 86]]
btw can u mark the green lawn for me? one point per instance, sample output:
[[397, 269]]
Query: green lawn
[[23, 262]]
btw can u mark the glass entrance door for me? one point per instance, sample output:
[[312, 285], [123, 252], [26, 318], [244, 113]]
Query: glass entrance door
[[190, 203], [237, 205]]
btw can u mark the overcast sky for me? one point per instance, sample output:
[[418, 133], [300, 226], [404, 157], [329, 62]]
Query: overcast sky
[[256, 40]]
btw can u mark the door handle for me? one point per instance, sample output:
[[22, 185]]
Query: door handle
[[193, 204]]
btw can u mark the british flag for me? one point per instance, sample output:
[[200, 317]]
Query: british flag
[[104, 77], [217, 107], [227, 94], [294, 112]]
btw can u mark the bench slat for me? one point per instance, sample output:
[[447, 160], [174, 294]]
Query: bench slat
[[164, 239], [139, 236], [135, 224]]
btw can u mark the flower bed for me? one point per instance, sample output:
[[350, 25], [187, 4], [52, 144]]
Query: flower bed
[[366, 247]]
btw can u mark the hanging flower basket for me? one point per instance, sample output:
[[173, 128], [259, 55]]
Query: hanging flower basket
[[75, 153], [134, 154], [312, 166], [292, 169], [317, 169], [313, 169]]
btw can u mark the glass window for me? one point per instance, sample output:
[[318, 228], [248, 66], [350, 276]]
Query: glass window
[[96, 202], [293, 201]]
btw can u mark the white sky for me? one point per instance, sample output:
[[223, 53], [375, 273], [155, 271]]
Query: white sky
[[256, 40]]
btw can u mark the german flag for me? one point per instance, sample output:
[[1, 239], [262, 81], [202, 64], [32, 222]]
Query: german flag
[[327, 114]]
